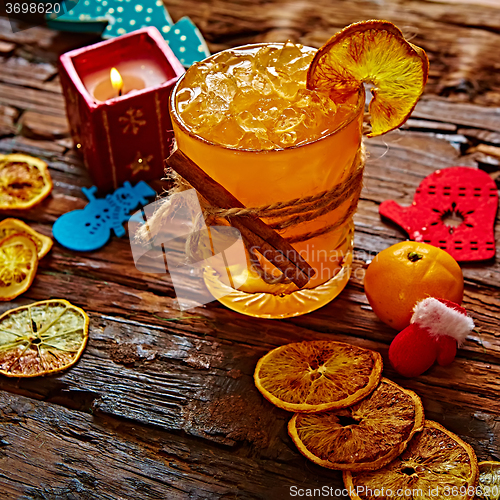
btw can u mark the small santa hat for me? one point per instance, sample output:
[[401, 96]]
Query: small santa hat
[[442, 317], [436, 330]]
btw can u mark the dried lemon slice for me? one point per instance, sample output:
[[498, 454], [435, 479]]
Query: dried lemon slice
[[365, 436], [489, 481], [15, 226], [18, 265], [318, 375], [42, 338], [24, 181], [373, 52], [436, 464]]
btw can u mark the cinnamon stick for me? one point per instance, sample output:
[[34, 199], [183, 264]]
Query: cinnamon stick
[[256, 233]]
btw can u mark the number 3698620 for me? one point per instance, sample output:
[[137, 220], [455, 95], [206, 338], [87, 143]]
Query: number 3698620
[[33, 8]]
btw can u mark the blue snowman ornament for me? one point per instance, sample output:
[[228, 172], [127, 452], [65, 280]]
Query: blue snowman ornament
[[89, 229]]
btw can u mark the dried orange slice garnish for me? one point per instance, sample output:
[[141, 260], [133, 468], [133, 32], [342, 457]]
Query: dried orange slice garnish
[[436, 464], [24, 181], [373, 52], [18, 265], [15, 226], [489, 481], [365, 436], [318, 375], [42, 338]]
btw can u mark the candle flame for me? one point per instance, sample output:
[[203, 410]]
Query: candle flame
[[116, 80]]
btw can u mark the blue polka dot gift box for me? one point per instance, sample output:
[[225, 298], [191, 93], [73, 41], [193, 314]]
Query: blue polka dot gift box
[[186, 42], [116, 17], [119, 119]]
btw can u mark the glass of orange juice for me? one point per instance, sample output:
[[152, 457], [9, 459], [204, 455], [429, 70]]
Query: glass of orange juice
[[246, 118]]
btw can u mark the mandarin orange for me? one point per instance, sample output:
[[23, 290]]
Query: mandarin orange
[[407, 272]]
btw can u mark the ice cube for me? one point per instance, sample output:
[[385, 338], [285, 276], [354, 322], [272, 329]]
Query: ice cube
[[288, 89], [197, 74], [206, 109], [288, 55], [266, 110], [227, 132], [250, 123], [254, 142], [224, 86], [289, 138], [265, 57], [186, 96], [242, 69], [243, 100], [289, 120], [262, 84]]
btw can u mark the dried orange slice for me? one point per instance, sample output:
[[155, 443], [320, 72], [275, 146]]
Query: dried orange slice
[[15, 226], [365, 436], [44, 337], [436, 464], [24, 181], [318, 375], [18, 265], [489, 481], [373, 52]]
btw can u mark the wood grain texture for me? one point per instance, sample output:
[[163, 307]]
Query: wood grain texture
[[461, 41], [162, 404]]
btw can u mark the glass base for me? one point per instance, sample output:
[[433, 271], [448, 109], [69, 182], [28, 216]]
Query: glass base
[[268, 305]]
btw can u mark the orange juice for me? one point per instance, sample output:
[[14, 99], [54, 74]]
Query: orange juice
[[246, 118]]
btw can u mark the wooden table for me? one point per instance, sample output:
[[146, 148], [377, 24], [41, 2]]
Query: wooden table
[[162, 405]]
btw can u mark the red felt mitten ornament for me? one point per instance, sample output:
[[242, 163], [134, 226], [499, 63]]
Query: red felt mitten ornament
[[437, 328], [453, 209]]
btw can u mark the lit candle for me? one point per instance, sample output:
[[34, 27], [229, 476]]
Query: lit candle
[[136, 75], [116, 80]]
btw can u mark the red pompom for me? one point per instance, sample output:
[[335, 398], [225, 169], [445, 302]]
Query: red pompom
[[413, 351]]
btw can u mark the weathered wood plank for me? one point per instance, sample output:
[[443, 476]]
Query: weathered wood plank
[[468, 115], [119, 267], [480, 135], [8, 118], [398, 162], [102, 458], [41, 126], [461, 42], [488, 3], [41, 101], [41, 44], [30, 36], [429, 125], [19, 71], [194, 425], [49, 452], [174, 374]]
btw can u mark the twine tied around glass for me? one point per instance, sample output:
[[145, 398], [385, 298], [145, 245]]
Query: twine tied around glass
[[278, 216]]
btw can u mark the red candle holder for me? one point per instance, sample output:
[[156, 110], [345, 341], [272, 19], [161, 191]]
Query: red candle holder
[[122, 137]]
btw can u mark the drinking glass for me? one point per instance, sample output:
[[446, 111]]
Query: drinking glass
[[260, 177]]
